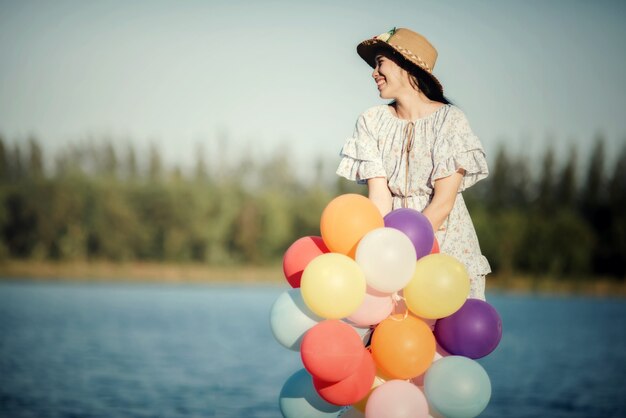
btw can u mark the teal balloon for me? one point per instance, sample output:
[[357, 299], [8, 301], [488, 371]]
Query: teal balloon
[[457, 387], [290, 319], [299, 399]]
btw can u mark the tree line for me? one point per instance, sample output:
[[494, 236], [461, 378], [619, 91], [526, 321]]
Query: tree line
[[92, 201]]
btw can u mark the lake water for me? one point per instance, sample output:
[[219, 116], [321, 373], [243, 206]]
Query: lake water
[[112, 350]]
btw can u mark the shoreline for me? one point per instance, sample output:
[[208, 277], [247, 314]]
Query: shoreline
[[146, 272], [190, 273]]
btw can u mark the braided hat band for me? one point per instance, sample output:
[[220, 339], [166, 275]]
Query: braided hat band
[[410, 46]]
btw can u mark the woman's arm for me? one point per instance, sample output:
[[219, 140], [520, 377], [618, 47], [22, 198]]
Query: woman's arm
[[379, 193], [443, 199]]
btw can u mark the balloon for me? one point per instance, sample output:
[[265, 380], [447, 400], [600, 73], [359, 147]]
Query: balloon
[[331, 350], [473, 331], [403, 347], [333, 286], [416, 226], [399, 304], [387, 258], [352, 413], [435, 249], [299, 399], [439, 354], [346, 219], [376, 306], [351, 389], [397, 399], [401, 308], [457, 387], [299, 255], [290, 319], [364, 332], [360, 405], [439, 287]]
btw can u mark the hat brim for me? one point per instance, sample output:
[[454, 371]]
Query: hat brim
[[370, 48]]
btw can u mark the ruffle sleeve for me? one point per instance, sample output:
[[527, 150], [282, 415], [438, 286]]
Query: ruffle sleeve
[[360, 157], [456, 147]]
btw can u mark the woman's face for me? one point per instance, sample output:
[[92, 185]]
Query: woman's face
[[390, 78]]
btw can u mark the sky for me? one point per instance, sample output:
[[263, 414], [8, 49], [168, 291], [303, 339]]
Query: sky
[[253, 78]]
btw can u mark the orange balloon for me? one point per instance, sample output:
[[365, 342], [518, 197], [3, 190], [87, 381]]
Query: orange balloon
[[346, 219], [403, 347]]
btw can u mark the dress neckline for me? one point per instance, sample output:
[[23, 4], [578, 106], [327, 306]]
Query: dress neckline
[[430, 115]]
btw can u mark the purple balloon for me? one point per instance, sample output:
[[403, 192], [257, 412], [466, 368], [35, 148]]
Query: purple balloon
[[473, 331], [416, 226]]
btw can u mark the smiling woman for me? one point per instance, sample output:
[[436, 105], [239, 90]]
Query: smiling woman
[[418, 151]]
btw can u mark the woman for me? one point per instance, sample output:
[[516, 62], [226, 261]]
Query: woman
[[418, 151]]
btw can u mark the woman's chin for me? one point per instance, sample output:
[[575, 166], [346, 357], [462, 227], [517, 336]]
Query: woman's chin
[[383, 94]]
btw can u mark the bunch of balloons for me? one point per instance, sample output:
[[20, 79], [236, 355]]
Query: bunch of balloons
[[381, 319]]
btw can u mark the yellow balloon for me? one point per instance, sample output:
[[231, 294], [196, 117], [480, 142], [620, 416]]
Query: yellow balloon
[[333, 286], [438, 288]]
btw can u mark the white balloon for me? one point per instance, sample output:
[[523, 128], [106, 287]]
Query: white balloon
[[387, 257], [290, 319]]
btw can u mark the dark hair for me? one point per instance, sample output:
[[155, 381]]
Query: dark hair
[[422, 80], [427, 85]]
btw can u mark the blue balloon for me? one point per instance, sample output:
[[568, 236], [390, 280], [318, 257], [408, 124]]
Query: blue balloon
[[299, 399], [457, 387], [290, 319]]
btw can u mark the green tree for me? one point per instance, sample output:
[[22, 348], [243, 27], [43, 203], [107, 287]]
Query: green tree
[[200, 172], [566, 188], [617, 204], [247, 231], [108, 160], [155, 165], [498, 190], [35, 160], [594, 189], [16, 164], [4, 166], [132, 172], [545, 199]]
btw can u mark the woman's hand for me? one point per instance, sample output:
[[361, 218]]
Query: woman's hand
[[443, 199], [379, 194]]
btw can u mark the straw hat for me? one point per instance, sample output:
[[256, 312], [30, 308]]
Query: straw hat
[[406, 45]]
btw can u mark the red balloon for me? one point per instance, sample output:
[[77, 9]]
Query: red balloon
[[331, 350], [351, 389], [435, 249], [298, 256]]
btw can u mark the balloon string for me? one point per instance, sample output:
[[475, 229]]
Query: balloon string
[[396, 298]]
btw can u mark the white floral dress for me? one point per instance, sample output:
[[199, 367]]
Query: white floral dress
[[412, 155]]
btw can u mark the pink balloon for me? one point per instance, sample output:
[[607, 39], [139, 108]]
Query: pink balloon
[[375, 307], [396, 399]]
